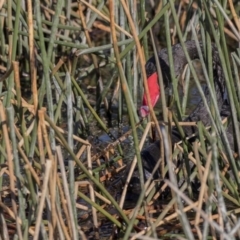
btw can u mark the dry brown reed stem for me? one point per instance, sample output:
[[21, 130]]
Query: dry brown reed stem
[[17, 82], [64, 205], [183, 18], [105, 18], [81, 151], [59, 140], [99, 25], [148, 219], [61, 222], [3, 69], [227, 165], [52, 182], [227, 19], [203, 195], [150, 187], [159, 7], [1, 4], [79, 184], [29, 166], [102, 198], [165, 220], [234, 14], [48, 166], [40, 145], [52, 12], [149, 101], [74, 136], [86, 31], [174, 33], [82, 207], [30, 107], [142, 64], [66, 191], [116, 89], [91, 191], [20, 143], [10, 165], [133, 165], [216, 216], [47, 14], [33, 69], [52, 187], [87, 183], [7, 74], [89, 42], [21, 139], [112, 145], [107, 175], [42, 122], [56, 67], [162, 189], [83, 236], [188, 124], [213, 224], [190, 157], [12, 215], [194, 5], [228, 32]]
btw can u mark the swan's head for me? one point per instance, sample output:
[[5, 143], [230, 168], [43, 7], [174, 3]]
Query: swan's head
[[154, 92]]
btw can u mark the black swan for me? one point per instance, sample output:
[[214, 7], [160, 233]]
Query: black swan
[[151, 154]]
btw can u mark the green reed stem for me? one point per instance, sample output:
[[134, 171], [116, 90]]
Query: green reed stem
[[235, 108], [186, 91], [17, 173], [84, 169], [171, 63], [83, 113], [142, 24], [145, 30], [105, 91], [93, 112], [70, 143], [100, 209], [193, 70], [169, 205], [54, 28], [45, 63], [10, 83], [224, 138], [101, 167], [236, 73], [60, 99], [133, 80], [58, 42], [16, 29]]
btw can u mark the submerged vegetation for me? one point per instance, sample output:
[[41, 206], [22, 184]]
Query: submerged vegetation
[[74, 70]]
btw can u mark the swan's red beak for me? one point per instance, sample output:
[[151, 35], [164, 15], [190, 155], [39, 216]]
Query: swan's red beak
[[154, 92]]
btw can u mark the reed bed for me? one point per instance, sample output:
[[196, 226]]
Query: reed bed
[[73, 70]]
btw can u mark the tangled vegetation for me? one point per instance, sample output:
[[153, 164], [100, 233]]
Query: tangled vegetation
[[73, 70]]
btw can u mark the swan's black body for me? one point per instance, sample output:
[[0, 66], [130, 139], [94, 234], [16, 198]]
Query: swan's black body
[[152, 153]]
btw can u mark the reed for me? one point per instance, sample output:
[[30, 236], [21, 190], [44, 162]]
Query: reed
[[72, 80]]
